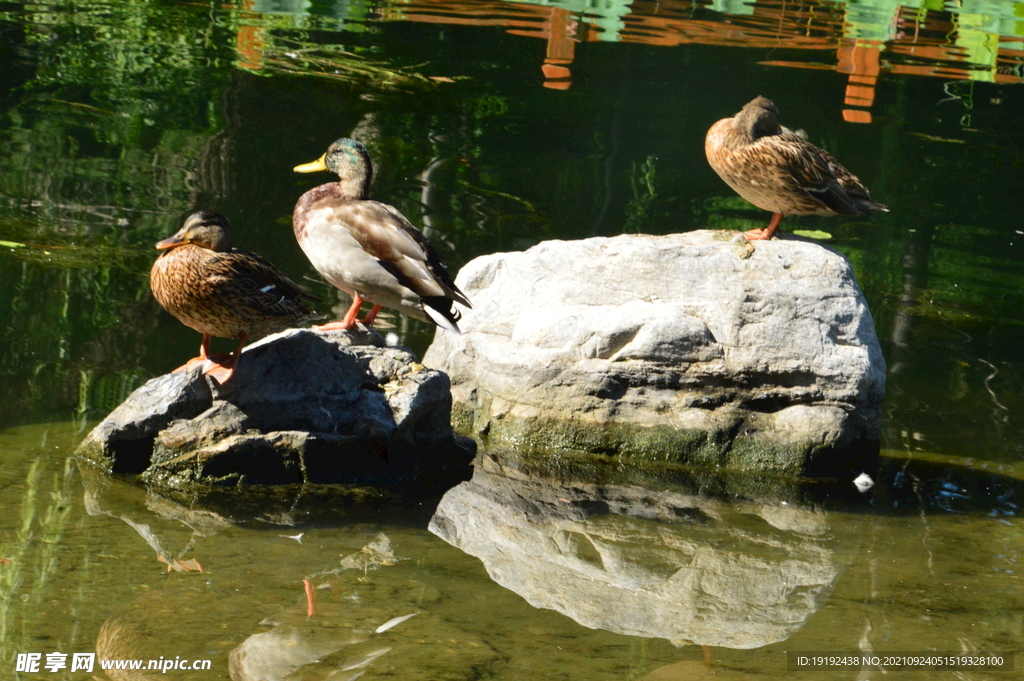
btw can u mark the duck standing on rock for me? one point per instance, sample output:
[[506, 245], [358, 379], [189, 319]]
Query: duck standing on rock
[[222, 291], [367, 248], [780, 171]]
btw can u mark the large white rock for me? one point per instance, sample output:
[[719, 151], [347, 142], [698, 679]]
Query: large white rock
[[687, 347]]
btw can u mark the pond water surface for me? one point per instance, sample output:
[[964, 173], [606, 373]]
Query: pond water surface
[[496, 125]]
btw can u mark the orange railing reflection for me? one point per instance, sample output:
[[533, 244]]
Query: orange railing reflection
[[557, 25], [866, 40], [969, 40]]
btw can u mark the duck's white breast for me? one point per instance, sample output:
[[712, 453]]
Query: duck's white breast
[[341, 260]]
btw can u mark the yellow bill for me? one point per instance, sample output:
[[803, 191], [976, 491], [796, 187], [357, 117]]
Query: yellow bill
[[313, 167]]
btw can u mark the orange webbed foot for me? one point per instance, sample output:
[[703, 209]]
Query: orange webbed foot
[[221, 373], [334, 326], [190, 365], [349, 319], [213, 365], [757, 235], [767, 232]]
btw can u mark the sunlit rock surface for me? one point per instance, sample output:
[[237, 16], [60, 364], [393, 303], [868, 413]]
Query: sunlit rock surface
[[687, 347], [303, 406], [686, 567]]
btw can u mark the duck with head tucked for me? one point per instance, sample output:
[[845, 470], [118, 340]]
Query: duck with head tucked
[[222, 291], [368, 249], [780, 171]]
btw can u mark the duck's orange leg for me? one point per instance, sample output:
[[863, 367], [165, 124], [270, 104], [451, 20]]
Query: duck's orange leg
[[204, 354], [221, 366], [370, 316], [223, 369], [767, 232], [310, 598], [349, 319]]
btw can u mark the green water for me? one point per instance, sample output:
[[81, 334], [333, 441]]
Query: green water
[[120, 119]]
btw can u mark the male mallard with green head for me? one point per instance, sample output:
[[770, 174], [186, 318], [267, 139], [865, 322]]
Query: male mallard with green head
[[222, 291], [780, 171], [367, 248]]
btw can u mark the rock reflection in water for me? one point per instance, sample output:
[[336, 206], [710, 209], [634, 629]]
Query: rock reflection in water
[[671, 564]]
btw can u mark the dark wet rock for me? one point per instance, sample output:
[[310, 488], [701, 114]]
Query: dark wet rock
[[303, 406], [669, 562], [689, 348], [217, 422], [124, 438]]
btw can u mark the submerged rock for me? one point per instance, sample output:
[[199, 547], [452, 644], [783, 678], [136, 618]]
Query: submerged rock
[[303, 406], [688, 347]]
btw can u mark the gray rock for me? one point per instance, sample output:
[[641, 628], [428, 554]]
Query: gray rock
[[214, 424], [303, 406], [123, 440], [687, 348]]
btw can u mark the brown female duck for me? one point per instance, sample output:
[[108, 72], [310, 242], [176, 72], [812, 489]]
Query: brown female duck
[[368, 249], [222, 291], [780, 171]]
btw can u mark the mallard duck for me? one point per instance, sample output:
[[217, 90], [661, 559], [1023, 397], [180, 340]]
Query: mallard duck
[[780, 171], [222, 291], [367, 248]]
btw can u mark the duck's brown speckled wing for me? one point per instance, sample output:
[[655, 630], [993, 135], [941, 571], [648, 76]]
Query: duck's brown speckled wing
[[818, 175], [851, 184], [253, 283], [227, 294], [385, 234]]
